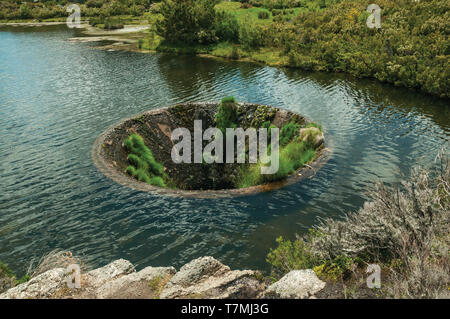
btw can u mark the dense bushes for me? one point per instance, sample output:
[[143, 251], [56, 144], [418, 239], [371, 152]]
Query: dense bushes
[[188, 21], [337, 39], [405, 230], [227, 27], [411, 49], [11, 9], [253, 36]]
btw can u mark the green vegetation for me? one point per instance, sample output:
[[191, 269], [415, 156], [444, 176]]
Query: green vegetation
[[226, 116], [157, 284], [404, 230], [56, 9], [312, 124], [188, 21], [263, 15], [143, 166], [295, 151], [287, 132], [410, 49], [8, 278]]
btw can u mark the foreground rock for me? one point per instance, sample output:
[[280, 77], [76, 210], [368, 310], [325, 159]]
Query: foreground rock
[[111, 271], [204, 277], [140, 284], [297, 284], [208, 278], [41, 286]]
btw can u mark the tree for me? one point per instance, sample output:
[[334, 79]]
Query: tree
[[188, 21]]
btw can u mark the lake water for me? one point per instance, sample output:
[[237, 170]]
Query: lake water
[[56, 97]]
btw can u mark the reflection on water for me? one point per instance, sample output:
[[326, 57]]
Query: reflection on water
[[56, 97]]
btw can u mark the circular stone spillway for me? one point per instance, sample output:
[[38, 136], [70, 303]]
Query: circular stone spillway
[[111, 154]]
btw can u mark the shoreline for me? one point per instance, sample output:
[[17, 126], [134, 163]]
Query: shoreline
[[262, 57], [128, 39]]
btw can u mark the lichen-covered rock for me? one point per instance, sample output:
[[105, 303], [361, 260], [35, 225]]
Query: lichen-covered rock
[[297, 284], [99, 276], [204, 277], [42, 286], [113, 288], [196, 270], [208, 278]]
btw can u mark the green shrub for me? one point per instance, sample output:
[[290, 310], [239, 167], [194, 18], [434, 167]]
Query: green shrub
[[95, 21], [281, 4], [5, 271], [187, 21], [226, 116], [291, 157], [337, 269], [249, 176], [290, 255], [8, 278], [298, 254], [263, 15], [25, 278], [252, 36], [94, 3], [234, 55], [245, 5], [333, 36], [269, 126], [25, 11], [293, 154], [287, 132], [143, 166], [157, 181], [227, 27], [228, 99]]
